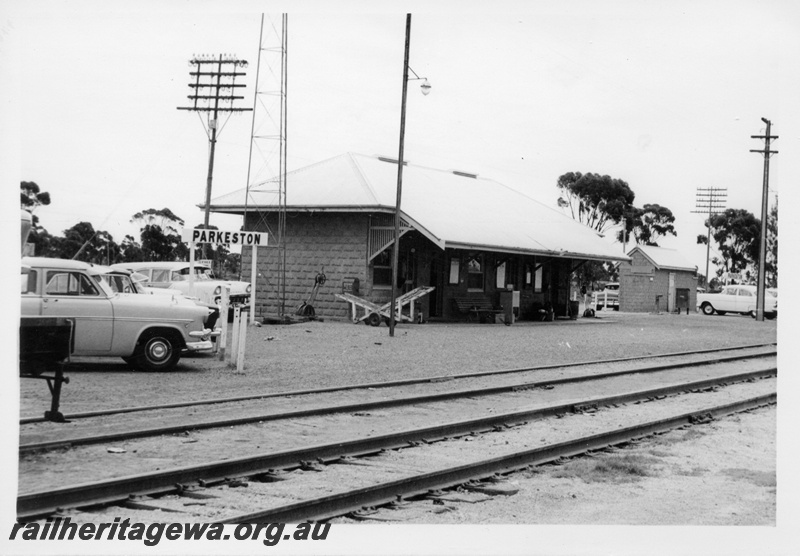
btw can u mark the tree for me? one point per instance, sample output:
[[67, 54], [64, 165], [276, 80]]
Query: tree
[[31, 198], [771, 266], [594, 200], [648, 224], [737, 233], [598, 202], [159, 235], [83, 243]]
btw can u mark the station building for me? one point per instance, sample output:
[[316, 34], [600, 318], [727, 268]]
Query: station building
[[469, 237], [657, 279]]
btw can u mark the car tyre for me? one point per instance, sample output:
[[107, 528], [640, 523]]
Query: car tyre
[[707, 309], [157, 351]]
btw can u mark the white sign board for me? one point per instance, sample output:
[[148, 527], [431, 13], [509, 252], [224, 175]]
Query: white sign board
[[200, 235]]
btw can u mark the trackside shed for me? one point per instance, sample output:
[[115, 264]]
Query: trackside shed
[[659, 278]]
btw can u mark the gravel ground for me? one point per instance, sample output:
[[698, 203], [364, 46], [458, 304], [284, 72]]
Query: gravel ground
[[319, 354]]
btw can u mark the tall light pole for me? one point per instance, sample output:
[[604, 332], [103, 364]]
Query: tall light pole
[[762, 256], [426, 88]]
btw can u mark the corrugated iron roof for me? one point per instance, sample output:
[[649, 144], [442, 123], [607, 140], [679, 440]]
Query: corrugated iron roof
[[452, 209], [664, 259]]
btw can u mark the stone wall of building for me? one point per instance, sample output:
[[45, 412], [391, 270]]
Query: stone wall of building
[[331, 243], [640, 283]]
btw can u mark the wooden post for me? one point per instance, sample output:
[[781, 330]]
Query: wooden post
[[222, 340], [241, 345], [235, 333], [253, 275]]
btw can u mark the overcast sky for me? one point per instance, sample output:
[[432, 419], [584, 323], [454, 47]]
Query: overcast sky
[[664, 95]]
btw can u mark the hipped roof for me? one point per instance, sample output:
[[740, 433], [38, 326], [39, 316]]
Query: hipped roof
[[451, 209]]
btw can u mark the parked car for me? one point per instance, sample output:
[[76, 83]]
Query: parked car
[[175, 275], [736, 299], [128, 282], [149, 332], [607, 297]]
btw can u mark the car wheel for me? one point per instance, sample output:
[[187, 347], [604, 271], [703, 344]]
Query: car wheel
[[707, 309], [157, 351], [770, 316]]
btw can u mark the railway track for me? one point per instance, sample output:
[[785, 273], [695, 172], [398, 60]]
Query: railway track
[[230, 412], [392, 384], [214, 482]]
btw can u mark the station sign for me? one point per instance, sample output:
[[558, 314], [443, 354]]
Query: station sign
[[201, 235]]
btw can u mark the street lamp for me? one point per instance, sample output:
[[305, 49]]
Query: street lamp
[[425, 87]]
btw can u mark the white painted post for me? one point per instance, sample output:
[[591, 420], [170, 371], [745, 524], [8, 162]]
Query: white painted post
[[191, 268], [222, 340], [235, 333], [240, 347], [254, 249]]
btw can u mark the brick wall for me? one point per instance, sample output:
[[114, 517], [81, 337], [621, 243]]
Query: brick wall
[[641, 282], [331, 242]]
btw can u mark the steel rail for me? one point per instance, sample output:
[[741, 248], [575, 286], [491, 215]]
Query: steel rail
[[385, 384], [363, 406], [95, 438], [384, 493], [41, 503]]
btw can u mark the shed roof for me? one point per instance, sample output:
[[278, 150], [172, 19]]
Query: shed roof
[[664, 259], [452, 209]]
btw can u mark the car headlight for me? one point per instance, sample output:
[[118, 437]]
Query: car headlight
[[247, 289], [218, 290]]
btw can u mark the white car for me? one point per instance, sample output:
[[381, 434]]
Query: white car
[[175, 275], [149, 332], [737, 299]]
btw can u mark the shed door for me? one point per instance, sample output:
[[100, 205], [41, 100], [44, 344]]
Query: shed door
[[671, 293]]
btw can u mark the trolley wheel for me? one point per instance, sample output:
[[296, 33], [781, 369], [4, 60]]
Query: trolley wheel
[[374, 319]]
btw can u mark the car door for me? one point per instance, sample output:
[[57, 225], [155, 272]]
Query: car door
[[71, 293], [31, 302], [746, 301]]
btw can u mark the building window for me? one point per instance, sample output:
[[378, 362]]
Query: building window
[[382, 269], [455, 270], [475, 274], [537, 279], [500, 282]]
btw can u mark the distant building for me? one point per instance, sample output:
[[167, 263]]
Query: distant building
[[469, 237], [657, 272]]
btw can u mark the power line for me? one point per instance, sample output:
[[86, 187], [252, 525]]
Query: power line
[[211, 77], [710, 200], [762, 255]]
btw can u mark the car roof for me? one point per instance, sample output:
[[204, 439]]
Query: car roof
[[171, 265], [66, 264]]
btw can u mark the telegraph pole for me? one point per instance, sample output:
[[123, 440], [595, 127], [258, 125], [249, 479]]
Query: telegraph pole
[[710, 200], [212, 76], [762, 255]]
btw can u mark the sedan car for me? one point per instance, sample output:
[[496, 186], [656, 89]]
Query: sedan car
[[150, 332], [736, 299], [175, 275]]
